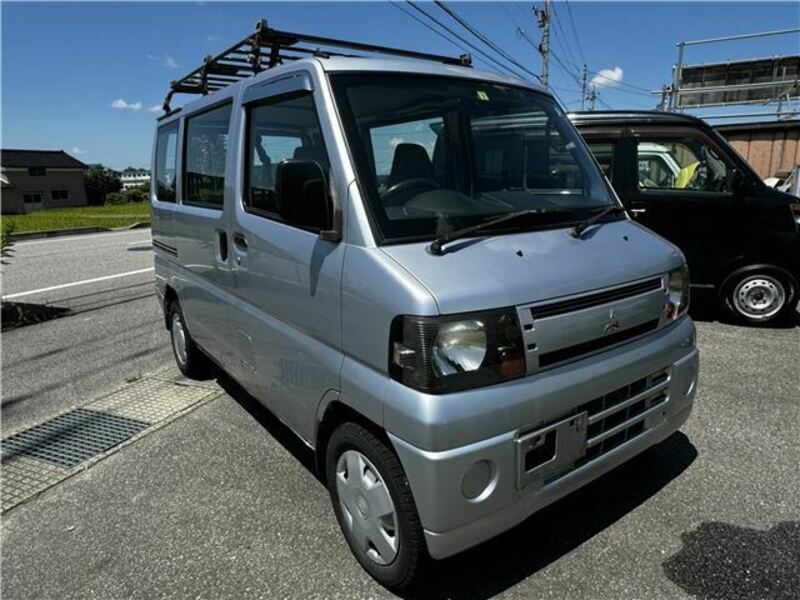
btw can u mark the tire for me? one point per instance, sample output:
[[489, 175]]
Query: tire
[[396, 561], [759, 295], [190, 359]]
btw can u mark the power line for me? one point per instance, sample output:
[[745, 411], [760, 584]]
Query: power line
[[574, 30], [439, 33], [483, 38], [562, 38], [473, 47]]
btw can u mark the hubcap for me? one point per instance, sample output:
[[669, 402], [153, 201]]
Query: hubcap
[[178, 338], [759, 297], [367, 507]]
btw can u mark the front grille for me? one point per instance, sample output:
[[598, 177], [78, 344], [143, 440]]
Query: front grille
[[564, 306], [613, 418], [548, 359]]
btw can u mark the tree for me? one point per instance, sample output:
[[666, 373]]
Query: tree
[[101, 181]]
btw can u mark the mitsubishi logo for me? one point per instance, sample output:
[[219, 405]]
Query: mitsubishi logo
[[612, 324]]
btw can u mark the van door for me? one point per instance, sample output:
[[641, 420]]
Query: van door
[[287, 278], [164, 190], [679, 184], [202, 233]]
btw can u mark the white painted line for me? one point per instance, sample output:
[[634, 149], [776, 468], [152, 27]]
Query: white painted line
[[75, 238], [74, 283]]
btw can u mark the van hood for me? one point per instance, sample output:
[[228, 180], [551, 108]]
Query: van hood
[[513, 269]]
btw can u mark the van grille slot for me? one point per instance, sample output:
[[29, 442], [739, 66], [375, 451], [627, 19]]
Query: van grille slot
[[552, 309], [613, 417], [548, 359]]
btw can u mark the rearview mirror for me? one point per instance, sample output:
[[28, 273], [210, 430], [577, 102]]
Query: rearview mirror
[[302, 198]]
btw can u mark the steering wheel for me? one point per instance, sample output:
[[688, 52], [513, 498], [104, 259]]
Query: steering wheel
[[390, 196]]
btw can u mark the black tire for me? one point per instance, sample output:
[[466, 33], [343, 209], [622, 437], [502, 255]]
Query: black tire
[[196, 364], [404, 569], [775, 281]]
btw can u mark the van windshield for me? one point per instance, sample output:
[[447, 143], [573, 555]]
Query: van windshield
[[435, 154]]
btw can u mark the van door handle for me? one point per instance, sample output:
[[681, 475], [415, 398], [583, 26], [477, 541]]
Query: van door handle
[[240, 242]]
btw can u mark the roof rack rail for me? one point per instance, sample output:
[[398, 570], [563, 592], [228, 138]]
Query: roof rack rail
[[266, 48]]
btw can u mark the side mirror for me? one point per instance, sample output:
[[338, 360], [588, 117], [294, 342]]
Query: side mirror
[[302, 198]]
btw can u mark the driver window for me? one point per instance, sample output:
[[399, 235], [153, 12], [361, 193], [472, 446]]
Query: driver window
[[680, 164]]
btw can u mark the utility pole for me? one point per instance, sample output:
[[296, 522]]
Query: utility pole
[[543, 21], [593, 99], [583, 86]]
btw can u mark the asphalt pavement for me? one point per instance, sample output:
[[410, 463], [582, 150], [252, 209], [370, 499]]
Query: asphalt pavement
[[222, 502], [114, 333]]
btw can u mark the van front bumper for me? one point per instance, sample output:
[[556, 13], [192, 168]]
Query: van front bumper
[[582, 420]]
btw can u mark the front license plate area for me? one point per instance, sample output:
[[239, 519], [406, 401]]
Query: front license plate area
[[549, 450]]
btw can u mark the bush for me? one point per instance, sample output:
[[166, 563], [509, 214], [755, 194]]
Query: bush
[[116, 198]]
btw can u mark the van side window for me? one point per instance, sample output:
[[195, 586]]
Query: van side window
[[166, 162], [604, 153], [680, 164], [206, 148], [277, 132]]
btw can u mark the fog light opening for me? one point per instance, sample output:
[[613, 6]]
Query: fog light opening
[[479, 480]]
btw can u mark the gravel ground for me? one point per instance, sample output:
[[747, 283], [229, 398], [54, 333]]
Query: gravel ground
[[222, 504]]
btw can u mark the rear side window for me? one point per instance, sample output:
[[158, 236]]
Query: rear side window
[[279, 131], [166, 162], [604, 153], [206, 149]]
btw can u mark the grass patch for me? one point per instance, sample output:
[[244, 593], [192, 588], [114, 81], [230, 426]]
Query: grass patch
[[118, 215]]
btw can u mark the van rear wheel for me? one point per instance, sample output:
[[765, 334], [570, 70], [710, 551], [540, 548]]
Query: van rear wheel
[[759, 295], [190, 359], [374, 506]]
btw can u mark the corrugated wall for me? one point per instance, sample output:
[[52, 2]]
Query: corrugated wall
[[768, 152]]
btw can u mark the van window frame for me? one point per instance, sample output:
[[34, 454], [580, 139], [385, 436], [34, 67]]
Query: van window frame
[[164, 127], [246, 150], [184, 132], [651, 134]]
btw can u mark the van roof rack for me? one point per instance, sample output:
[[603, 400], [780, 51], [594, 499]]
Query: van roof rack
[[266, 48]]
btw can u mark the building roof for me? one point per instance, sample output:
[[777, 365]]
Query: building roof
[[759, 126], [39, 158]]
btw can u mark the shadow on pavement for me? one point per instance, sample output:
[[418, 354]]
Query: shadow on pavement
[[544, 538], [720, 561], [271, 423]]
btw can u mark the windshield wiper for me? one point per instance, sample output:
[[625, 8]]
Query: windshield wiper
[[446, 238], [578, 230]]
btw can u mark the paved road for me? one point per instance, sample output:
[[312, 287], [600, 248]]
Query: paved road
[[114, 333], [222, 502]]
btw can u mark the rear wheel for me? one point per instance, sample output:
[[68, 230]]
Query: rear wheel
[[191, 360], [374, 506], [759, 295]]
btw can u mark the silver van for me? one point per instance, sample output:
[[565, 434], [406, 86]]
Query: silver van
[[420, 269]]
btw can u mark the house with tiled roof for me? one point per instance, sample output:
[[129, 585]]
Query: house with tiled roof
[[37, 179]]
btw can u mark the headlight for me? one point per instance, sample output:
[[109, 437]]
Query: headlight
[[678, 287], [450, 353]]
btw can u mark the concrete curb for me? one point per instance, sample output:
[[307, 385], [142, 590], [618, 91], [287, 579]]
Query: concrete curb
[[32, 235]]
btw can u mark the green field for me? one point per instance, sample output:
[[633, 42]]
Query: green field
[[117, 215]]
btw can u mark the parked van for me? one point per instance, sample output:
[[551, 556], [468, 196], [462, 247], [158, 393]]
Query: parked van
[[419, 268], [680, 178]]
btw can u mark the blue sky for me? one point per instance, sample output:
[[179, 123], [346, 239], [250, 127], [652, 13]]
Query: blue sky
[[82, 76]]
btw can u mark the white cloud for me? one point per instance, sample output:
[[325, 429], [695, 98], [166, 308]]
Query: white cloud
[[166, 60], [76, 150], [122, 104], [155, 108], [608, 77]]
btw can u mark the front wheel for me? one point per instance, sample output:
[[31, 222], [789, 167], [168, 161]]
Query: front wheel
[[759, 295], [374, 506]]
